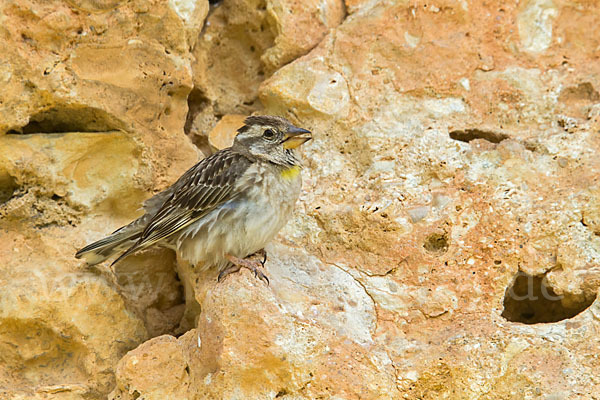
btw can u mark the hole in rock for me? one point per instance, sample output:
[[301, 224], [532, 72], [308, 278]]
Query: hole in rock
[[8, 186], [471, 134], [197, 102], [529, 300], [150, 282], [436, 243], [583, 91], [199, 120], [70, 119]]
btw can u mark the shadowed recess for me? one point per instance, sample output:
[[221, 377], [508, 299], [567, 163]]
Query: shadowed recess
[[8, 186], [583, 91], [529, 300], [197, 102], [471, 134], [195, 125], [150, 283], [436, 243], [69, 119]]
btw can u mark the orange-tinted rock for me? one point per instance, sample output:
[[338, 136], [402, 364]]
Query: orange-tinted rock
[[92, 112], [453, 153], [299, 26], [245, 41], [445, 244], [224, 132], [158, 369], [303, 337]]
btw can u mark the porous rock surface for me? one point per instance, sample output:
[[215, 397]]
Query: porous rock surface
[[446, 244]]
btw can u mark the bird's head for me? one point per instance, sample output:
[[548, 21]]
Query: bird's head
[[271, 138]]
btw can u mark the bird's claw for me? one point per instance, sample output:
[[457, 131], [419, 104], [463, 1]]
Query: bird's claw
[[250, 263], [261, 253], [231, 269], [259, 274]]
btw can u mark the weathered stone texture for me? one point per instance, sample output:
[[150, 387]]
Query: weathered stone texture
[[446, 243], [92, 109], [243, 43]]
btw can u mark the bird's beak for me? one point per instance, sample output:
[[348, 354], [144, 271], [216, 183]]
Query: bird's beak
[[295, 137]]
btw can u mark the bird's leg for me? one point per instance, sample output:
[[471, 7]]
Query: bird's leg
[[249, 262]]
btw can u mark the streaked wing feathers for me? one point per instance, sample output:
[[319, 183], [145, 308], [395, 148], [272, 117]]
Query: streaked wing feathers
[[203, 187]]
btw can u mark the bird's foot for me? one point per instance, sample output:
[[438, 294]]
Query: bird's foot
[[253, 262], [229, 270], [261, 254]]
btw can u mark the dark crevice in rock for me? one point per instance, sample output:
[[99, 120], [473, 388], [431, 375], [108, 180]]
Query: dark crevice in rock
[[344, 17], [150, 286], [593, 228], [529, 300], [471, 134], [197, 102], [436, 243], [44, 208], [8, 187], [583, 91], [200, 119], [65, 119]]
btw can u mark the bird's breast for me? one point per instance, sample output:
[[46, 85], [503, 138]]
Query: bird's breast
[[273, 193], [290, 173], [264, 202]]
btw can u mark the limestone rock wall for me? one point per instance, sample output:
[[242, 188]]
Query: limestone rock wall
[[446, 244], [92, 109]]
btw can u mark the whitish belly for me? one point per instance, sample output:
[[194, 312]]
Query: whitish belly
[[240, 227]]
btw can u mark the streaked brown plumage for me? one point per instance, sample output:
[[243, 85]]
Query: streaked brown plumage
[[225, 207]]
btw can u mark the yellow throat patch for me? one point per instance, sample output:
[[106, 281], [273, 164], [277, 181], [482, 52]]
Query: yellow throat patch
[[291, 172]]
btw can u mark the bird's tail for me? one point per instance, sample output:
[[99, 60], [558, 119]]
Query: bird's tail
[[125, 238], [116, 243]]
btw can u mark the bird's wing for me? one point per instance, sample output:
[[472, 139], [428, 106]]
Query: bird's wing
[[203, 187]]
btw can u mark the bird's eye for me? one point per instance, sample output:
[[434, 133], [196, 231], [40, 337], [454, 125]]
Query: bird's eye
[[268, 134]]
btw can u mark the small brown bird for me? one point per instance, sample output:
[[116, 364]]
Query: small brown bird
[[225, 208]]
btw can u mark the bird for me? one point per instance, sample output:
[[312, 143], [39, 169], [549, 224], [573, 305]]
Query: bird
[[224, 210]]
